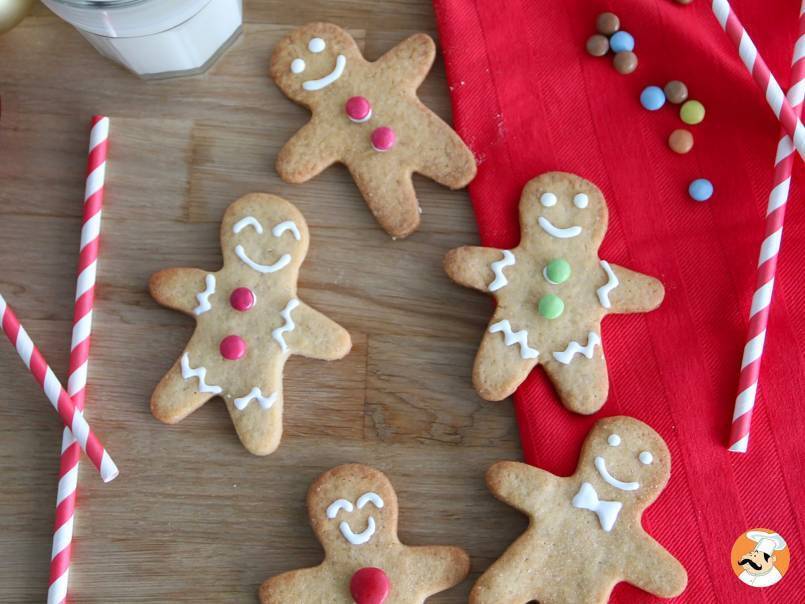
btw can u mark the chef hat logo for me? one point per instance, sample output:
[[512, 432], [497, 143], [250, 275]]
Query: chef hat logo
[[760, 557]]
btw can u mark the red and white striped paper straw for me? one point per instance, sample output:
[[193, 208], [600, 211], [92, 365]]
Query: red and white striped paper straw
[[767, 262], [79, 358], [55, 393], [747, 50]]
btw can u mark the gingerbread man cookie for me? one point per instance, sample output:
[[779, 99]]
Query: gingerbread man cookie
[[353, 511], [585, 534], [249, 320], [367, 116], [552, 292]]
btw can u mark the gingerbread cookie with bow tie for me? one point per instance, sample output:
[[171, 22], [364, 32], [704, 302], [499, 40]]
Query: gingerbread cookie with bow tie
[[585, 533], [552, 292], [366, 115], [353, 511], [249, 320]]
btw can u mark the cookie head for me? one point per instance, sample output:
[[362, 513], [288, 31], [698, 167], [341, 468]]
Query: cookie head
[[625, 460], [265, 235], [353, 506], [313, 59], [562, 209]]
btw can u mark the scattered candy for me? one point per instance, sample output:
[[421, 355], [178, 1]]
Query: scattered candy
[[676, 92], [701, 189], [625, 62], [597, 45], [691, 112], [621, 41], [551, 306], [652, 98], [383, 138], [680, 141], [607, 23], [557, 271]]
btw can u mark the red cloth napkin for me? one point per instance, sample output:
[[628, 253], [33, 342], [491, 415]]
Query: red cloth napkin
[[528, 99]]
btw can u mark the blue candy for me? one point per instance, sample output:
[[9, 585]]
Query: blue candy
[[652, 98], [621, 41], [701, 189]]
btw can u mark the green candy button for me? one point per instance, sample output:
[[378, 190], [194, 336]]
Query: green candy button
[[551, 306], [557, 271]]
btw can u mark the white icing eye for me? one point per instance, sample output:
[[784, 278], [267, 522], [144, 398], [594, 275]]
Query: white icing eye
[[645, 458], [581, 200], [316, 45], [614, 440], [548, 200], [297, 65]]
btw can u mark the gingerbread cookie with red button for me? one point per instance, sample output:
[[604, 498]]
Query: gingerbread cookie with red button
[[353, 511], [552, 293], [249, 320], [366, 115], [585, 533]]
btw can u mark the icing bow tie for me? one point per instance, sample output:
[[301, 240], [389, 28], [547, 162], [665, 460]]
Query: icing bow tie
[[607, 511]]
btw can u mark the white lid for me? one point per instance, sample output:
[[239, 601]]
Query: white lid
[[125, 18]]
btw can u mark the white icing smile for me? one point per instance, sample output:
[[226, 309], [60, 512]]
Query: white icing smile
[[344, 504], [284, 260], [601, 466], [554, 231], [337, 72]]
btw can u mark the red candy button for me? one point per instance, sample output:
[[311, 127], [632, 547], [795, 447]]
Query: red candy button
[[242, 299], [383, 138], [369, 586], [233, 347], [358, 109]]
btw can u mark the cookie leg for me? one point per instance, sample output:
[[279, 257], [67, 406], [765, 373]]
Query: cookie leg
[[446, 159], [505, 581], [390, 195], [582, 384], [258, 419], [500, 367], [175, 397]]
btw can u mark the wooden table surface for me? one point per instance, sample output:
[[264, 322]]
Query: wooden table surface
[[193, 517]]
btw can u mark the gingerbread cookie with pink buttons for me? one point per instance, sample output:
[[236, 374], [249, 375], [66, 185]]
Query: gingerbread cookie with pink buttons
[[366, 115], [552, 292], [353, 511], [585, 533], [249, 320]]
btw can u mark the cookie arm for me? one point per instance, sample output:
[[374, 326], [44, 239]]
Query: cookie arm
[[655, 570], [306, 154], [178, 288], [411, 60], [520, 485], [298, 586], [437, 567], [317, 336], [471, 266], [634, 292]]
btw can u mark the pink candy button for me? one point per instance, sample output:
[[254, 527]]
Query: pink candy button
[[358, 109], [233, 348], [242, 299], [383, 138], [369, 586]]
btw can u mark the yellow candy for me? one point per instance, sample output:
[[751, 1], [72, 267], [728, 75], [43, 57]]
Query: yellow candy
[[691, 112]]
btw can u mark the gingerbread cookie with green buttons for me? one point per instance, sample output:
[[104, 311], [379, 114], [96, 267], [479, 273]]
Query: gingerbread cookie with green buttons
[[552, 292], [366, 115]]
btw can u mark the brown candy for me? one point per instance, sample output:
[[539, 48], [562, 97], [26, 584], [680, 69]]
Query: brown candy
[[607, 23], [597, 45], [680, 141], [625, 62], [676, 92]]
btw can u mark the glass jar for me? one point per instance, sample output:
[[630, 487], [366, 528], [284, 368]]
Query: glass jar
[[156, 38]]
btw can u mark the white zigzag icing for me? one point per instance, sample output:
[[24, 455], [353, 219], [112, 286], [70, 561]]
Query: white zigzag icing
[[575, 348], [497, 268], [515, 337], [266, 402], [200, 373], [289, 325], [612, 283], [204, 297]]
